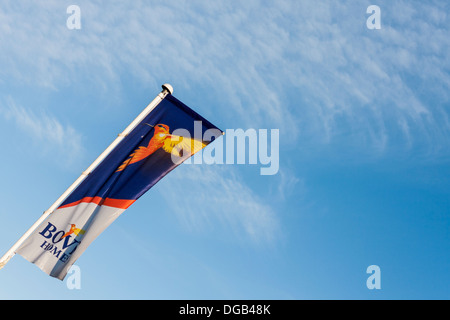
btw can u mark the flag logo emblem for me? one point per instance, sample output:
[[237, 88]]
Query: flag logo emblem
[[74, 230], [176, 145]]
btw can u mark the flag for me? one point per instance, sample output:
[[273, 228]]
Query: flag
[[166, 137]]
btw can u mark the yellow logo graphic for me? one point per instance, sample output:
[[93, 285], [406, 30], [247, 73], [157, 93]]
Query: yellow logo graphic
[[168, 142], [74, 230]]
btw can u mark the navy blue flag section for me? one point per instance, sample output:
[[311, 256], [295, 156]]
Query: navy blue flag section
[[166, 137]]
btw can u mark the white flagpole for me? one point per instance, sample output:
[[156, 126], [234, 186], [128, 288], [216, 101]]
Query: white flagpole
[[167, 88]]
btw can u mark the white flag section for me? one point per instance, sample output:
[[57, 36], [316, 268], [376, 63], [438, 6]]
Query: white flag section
[[141, 156], [63, 237]]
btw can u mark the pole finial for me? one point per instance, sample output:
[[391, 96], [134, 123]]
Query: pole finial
[[168, 87]]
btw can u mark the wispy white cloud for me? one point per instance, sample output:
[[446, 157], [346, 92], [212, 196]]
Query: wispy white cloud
[[46, 134], [254, 57], [288, 183], [367, 82], [217, 199]]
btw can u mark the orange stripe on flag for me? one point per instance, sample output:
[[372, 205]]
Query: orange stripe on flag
[[115, 203], [118, 203]]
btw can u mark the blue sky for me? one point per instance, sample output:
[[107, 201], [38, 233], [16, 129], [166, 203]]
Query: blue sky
[[364, 145]]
